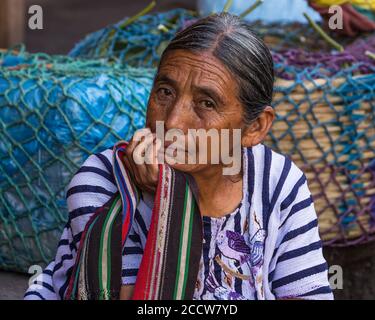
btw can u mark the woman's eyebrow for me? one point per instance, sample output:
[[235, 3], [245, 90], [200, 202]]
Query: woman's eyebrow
[[209, 92], [165, 78]]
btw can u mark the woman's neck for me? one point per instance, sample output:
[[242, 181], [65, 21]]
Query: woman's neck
[[218, 195]]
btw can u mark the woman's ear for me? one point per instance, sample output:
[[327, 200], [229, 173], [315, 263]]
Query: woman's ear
[[258, 129]]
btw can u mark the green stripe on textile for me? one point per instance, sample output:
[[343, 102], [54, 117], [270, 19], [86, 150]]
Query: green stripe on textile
[[189, 245], [101, 249], [185, 237]]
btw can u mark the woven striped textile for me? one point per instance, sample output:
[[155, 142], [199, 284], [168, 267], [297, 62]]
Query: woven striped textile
[[175, 219]]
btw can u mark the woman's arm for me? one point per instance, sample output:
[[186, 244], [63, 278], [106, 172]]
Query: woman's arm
[[90, 188], [298, 269]]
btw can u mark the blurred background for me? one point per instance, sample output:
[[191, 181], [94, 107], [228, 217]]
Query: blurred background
[[68, 21]]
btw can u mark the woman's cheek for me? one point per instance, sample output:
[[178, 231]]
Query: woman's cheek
[[155, 113]]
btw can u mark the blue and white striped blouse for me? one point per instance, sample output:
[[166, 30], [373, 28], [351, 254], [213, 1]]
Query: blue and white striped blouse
[[293, 267]]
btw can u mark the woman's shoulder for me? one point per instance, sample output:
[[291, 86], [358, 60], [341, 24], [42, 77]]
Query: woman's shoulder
[[273, 162], [94, 174], [102, 160], [92, 186], [279, 175]]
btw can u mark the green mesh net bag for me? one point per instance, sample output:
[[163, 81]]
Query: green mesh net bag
[[138, 41], [54, 112], [325, 107]]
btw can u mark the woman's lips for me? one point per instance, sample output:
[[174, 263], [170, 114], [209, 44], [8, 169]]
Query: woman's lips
[[173, 151], [175, 146]]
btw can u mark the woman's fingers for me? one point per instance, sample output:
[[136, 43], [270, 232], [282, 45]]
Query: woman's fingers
[[138, 137], [152, 166], [140, 152], [141, 159], [128, 159], [151, 163]]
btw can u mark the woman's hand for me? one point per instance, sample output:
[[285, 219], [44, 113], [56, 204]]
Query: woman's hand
[[144, 175], [127, 291]]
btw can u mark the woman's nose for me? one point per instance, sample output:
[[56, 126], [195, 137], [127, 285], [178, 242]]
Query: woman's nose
[[179, 116]]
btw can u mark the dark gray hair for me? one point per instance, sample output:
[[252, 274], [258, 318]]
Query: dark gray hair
[[232, 41]]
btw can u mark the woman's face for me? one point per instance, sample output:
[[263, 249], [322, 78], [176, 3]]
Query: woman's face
[[194, 91]]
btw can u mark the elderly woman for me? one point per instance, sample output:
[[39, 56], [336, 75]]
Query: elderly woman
[[188, 231]]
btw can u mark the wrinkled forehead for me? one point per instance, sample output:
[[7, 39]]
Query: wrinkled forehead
[[199, 66]]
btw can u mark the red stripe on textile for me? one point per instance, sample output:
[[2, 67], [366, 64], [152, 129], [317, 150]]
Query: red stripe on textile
[[142, 289], [121, 156], [126, 223]]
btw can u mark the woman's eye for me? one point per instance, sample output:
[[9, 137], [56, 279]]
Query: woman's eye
[[207, 104], [164, 93]]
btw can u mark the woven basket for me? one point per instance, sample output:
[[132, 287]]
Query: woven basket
[[55, 111], [327, 126]]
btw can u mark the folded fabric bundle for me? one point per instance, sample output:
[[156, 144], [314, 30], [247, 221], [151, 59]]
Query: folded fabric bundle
[[174, 241], [354, 21], [365, 4]]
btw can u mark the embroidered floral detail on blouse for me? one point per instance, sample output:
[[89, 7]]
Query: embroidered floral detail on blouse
[[219, 291]]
